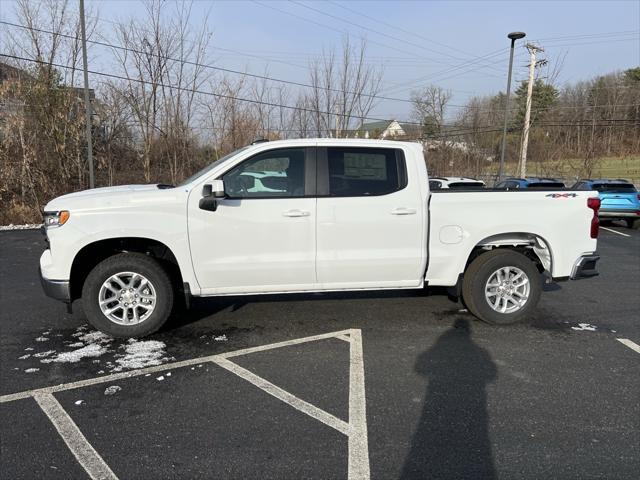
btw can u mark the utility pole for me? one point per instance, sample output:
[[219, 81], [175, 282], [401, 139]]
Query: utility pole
[[87, 100], [527, 115], [513, 36]]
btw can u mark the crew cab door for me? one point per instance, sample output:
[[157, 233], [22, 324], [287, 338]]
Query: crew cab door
[[370, 219], [261, 237]]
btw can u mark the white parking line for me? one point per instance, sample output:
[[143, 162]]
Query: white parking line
[[285, 396], [86, 455], [632, 345], [358, 442], [615, 231], [356, 429]]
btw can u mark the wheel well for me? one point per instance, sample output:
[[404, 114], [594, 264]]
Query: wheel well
[[90, 255], [531, 245]]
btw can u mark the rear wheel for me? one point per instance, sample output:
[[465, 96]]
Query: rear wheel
[[633, 223], [502, 286], [127, 295]]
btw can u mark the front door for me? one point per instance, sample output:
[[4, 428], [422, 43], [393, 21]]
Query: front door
[[261, 238]]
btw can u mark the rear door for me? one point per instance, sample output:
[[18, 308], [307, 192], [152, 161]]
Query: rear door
[[369, 219]]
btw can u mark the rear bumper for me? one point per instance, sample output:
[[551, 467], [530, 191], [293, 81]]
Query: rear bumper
[[619, 213], [58, 289], [585, 267]]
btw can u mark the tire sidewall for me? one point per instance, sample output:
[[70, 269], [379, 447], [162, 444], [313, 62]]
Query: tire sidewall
[[136, 263], [505, 259]]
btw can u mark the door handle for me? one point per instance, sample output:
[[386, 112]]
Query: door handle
[[403, 211], [296, 213]]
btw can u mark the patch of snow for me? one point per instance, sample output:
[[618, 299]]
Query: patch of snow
[[168, 374], [78, 402], [112, 390], [28, 349], [31, 370], [44, 354], [26, 226], [24, 357], [95, 337], [221, 338], [42, 339], [75, 345], [160, 378], [585, 327], [141, 354], [91, 350]]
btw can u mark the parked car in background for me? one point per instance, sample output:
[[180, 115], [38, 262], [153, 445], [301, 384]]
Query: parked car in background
[[619, 199], [530, 182], [438, 183]]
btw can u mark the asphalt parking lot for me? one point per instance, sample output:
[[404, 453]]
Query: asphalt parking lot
[[367, 385]]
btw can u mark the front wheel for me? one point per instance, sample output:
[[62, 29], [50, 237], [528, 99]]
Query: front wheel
[[127, 295], [501, 286]]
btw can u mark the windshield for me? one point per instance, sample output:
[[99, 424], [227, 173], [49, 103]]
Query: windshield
[[614, 187], [210, 167]]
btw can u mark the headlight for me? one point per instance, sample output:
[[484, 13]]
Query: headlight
[[56, 219]]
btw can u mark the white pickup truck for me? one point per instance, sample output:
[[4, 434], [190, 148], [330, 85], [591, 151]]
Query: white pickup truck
[[310, 215]]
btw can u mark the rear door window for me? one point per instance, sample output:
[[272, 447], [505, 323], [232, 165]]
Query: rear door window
[[355, 172]]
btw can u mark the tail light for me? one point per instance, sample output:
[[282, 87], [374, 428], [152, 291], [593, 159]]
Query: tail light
[[594, 204]]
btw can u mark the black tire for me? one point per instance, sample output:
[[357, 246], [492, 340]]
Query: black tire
[[128, 262], [632, 223], [477, 275]]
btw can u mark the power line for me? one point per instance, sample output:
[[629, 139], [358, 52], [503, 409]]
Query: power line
[[377, 32], [204, 65], [219, 95]]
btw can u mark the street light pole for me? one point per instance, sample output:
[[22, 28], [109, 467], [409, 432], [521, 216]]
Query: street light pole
[[513, 36], [87, 100]]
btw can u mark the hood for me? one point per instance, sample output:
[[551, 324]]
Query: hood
[[111, 197]]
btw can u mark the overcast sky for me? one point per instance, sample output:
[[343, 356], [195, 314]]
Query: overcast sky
[[416, 42]]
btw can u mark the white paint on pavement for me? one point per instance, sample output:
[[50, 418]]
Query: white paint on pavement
[[632, 345], [285, 396], [86, 455], [615, 231], [358, 442]]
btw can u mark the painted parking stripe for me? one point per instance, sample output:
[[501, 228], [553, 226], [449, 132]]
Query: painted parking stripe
[[86, 455], [632, 345], [358, 442], [615, 231], [285, 396], [356, 429]]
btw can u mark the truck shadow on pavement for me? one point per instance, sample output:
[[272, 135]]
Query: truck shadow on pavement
[[452, 438]]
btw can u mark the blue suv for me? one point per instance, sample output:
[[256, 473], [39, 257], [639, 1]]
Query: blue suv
[[530, 182], [619, 199]]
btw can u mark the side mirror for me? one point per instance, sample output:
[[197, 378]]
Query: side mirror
[[210, 193], [215, 189]]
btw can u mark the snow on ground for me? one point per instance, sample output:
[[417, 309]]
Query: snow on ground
[[90, 351], [28, 226], [585, 326], [112, 390], [140, 354], [92, 344]]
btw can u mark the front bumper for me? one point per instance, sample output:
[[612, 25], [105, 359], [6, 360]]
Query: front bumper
[[58, 289], [585, 267]]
